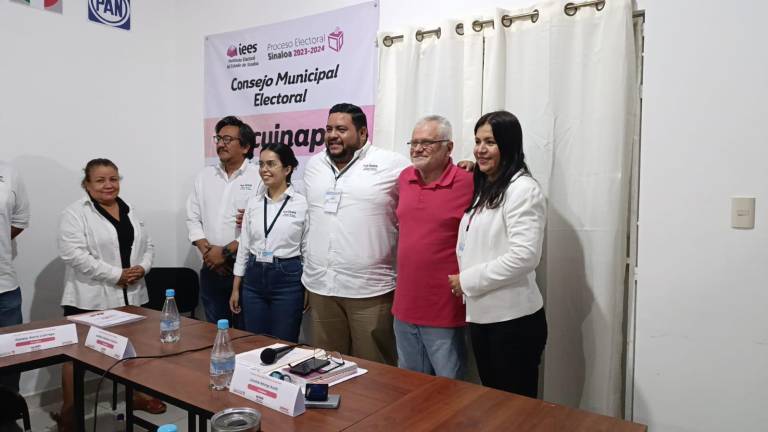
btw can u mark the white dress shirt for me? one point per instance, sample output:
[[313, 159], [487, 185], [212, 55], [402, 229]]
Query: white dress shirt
[[351, 253], [14, 212], [88, 245], [212, 205], [498, 251], [284, 239]]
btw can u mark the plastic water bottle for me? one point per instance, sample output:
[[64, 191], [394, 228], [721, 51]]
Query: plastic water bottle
[[168, 428], [170, 322], [222, 358]]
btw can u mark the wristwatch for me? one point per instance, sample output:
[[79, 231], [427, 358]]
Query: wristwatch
[[229, 254]]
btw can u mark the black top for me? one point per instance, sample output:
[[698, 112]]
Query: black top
[[125, 233]]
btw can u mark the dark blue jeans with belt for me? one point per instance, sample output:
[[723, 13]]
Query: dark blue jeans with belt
[[272, 298]]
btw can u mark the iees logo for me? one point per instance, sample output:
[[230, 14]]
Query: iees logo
[[336, 39], [114, 13], [242, 49]]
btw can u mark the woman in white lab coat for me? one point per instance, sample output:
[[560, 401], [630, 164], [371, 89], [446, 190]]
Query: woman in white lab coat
[[107, 252]]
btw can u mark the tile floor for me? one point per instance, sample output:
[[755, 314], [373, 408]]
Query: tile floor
[[108, 420]]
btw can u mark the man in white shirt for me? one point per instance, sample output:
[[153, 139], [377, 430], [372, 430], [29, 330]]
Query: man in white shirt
[[220, 193], [14, 218], [351, 239]]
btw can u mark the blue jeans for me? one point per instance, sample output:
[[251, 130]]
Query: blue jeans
[[215, 290], [430, 350], [10, 314], [272, 298]]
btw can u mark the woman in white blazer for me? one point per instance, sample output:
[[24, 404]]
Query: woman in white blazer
[[107, 252], [499, 247]]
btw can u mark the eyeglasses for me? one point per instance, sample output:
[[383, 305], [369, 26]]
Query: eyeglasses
[[224, 138], [427, 144], [271, 164], [332, 356], [281, 376]]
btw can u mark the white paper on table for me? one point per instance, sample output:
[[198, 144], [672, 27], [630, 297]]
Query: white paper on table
[[105, 318]]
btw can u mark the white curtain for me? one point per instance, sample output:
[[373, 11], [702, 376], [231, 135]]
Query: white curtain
[[572, 81], [435, 76]]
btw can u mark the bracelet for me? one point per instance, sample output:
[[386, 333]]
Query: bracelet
[[229, 254]]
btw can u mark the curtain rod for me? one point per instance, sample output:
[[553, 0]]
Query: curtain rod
[[570, 9]]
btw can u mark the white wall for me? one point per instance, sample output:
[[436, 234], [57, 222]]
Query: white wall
[[71, 90], [702, 328]]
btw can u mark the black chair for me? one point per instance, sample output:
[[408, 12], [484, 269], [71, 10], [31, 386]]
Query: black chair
[[14, 407], [183, 280]]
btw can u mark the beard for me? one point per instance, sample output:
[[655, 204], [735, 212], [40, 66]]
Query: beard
[[346, 154]]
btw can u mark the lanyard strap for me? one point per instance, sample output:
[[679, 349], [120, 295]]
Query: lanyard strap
[[343, 171], [268, 230]]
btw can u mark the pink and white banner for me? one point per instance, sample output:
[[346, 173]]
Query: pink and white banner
[[282, 78]]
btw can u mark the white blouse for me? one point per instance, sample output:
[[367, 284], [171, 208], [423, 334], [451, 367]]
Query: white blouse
[[285, 237], [498, 251], [88, 245]]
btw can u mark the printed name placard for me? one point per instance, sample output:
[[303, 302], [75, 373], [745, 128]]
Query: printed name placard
[[109, 343], [272, 393], [38, 339]]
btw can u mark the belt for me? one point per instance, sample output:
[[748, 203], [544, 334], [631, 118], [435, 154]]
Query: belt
[[276, 259]]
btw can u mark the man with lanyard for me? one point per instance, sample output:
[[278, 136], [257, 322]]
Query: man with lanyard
[[14, 218], [351, 239], [214, 208]]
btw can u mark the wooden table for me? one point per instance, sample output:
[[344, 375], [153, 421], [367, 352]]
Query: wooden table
[[384, 399]]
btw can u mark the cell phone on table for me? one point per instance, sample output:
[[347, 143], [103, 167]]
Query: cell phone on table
[[316, 392], [308, 366]]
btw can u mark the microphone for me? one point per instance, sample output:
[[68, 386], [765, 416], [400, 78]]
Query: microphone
[[271, 355]]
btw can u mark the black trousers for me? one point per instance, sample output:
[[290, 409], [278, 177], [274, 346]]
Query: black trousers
[[508, 353]]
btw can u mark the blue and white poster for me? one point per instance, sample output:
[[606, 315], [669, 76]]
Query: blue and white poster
[[113, 13]]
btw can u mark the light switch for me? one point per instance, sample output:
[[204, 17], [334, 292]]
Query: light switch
[[743, 212]]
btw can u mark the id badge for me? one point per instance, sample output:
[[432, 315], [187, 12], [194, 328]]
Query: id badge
[[332, 199], [266, 256]]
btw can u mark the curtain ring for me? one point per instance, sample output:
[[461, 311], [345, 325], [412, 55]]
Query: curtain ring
[[421, 33], [507, 20], [570, 9], [477, 26], [460, 29], [600, 6], [389, 40]]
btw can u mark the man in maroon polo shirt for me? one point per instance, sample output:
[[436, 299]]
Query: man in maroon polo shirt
[[429, 320]]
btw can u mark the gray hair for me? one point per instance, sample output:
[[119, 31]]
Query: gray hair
[[444, 128]]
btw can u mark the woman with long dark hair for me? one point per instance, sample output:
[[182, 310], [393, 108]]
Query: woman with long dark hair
[[268, 264], [499, 247]]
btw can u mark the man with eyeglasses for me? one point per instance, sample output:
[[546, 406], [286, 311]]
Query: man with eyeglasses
[[429, 319], [214, 212], [351, 239]]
